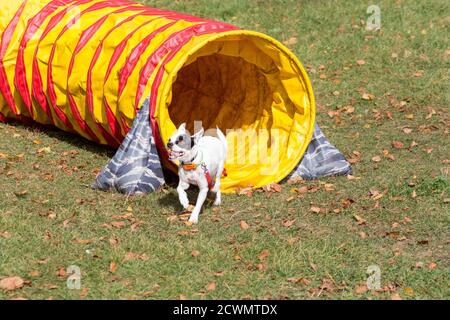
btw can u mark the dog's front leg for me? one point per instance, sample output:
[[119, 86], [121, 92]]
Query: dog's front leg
[[182, 195], [198, 206]]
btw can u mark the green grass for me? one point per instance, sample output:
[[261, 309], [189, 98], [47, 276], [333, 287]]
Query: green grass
[[60, 222]]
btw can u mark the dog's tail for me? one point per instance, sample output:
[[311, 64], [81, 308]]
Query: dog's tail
[[222, 139]]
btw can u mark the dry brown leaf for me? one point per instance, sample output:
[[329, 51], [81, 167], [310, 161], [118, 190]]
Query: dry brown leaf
[[84, 292], [35, 273], [189, 223], [291, 41], [11, 283], [300, 190], [112, 267], [5, 235], [263, 255], [361, 289], [432, 266], [359, 220], [360, 62], [291, 241], [376, 159], [300, 280], [118, 224], [195, 253], [368, 96], [407, 130], [397, 144], [316, 209], [288, 223], [290, 199], [396, 296], [61, 273], [409, 291], [211, 286], [244, 225]]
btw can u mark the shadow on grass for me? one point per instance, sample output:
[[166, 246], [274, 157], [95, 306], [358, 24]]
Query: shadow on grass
[[70, 138]]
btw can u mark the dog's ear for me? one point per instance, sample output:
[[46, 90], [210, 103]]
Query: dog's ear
[[198, 136], [182, 128]]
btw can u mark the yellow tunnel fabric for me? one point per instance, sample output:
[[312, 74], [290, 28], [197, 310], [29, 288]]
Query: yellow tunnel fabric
[[86, 66]]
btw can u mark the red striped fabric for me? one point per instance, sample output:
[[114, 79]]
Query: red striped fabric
[[113, 140], [114, 126], [37, 86], [174, 43], [135, 55], [51, 88], [6, 38], [33, 25]]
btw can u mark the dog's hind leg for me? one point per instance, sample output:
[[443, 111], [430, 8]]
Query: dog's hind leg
[[198, 206], [182, 195], [216, 189]]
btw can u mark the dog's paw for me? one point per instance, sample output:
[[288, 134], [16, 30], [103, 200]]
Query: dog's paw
[[185, 205], [193, 220]]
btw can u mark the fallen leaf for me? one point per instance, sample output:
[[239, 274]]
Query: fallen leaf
[[118, 224], [376, 159], [360, 62], [21, 194], [189, 223], [195, 253], [211, 286], [316, 209], [288, 223], [300, 280], [11, 283], [263, 255], [396, 296], [359, 220], [300, 190], [409, 291], [432, 266], [5, 235], [61, 273], [361, 289], [397, 144], [291, 41], [112, 267], [44, 150], [290, 199], [244, 225], [368, 96], [407, 130], [291, 241], [84, 292], [35, 273], [431, 113]]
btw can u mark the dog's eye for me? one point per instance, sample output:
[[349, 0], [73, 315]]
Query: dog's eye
[[180, 139]]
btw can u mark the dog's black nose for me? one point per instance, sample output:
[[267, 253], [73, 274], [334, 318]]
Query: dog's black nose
[[170, 144]]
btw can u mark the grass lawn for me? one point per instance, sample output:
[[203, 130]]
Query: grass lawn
[[383, 99]]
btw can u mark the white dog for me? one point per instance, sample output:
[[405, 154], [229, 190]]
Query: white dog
[[201, 163]]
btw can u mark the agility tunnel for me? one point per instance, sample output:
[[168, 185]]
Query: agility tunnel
[[126, 75]]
